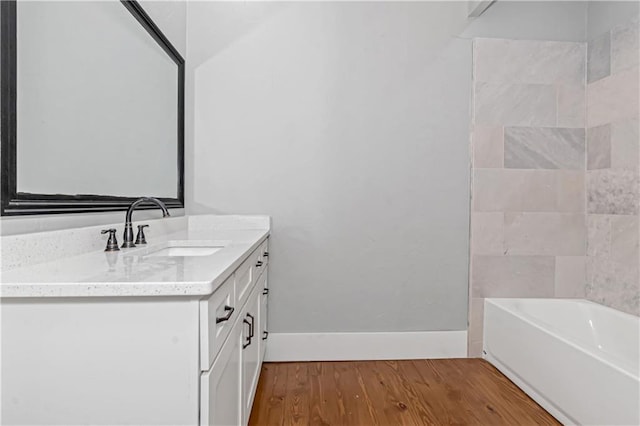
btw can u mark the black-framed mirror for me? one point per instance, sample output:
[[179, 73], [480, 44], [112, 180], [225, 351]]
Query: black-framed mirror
[[92, 97]]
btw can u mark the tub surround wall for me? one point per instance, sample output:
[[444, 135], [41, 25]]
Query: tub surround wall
[[528, 223], [613, 162], [555, 190]]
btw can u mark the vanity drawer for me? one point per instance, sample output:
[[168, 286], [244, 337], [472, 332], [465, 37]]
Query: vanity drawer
[[217, 315]]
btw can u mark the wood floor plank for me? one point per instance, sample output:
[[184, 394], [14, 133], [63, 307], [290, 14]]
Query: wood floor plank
[[323, 403], [268, 405], [442, 400], [413, 392], [357, 406], [463, 405], [405, 396], [380, 396], [296, 404], [420, 391]]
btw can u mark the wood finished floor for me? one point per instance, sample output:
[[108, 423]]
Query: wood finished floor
[[416, 392]]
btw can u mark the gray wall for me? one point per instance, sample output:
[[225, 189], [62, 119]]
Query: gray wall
[[348, 123]]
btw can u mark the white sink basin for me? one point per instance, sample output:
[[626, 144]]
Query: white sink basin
[[185, 251], [181, 248]]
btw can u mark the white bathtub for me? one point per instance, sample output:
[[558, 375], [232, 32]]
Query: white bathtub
[[577, 359]]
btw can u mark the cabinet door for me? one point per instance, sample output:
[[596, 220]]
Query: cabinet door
[[250, 351], [221, 391]]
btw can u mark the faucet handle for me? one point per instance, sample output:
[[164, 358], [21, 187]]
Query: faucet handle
[[112, 242], [140, 239]]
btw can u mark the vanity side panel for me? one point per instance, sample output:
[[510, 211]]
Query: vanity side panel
[[100, 361]]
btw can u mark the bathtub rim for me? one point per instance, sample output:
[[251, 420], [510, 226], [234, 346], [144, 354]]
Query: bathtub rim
[[610, 359]]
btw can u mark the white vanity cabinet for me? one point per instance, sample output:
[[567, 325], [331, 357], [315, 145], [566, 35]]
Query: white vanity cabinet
[[251, 355], [229, 386], [232, 348], [146, 360]]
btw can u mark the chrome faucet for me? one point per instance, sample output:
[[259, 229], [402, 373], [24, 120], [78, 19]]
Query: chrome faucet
[[128, 228]]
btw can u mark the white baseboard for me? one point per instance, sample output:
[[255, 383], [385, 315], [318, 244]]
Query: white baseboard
[[365, 346]]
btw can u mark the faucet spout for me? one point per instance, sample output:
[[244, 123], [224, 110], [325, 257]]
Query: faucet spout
[[128, 229]]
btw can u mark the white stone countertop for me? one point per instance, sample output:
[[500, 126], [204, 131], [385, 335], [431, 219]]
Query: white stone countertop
[[129, 272]]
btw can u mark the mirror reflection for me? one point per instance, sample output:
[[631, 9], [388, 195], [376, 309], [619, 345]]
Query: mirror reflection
[[97, 101]]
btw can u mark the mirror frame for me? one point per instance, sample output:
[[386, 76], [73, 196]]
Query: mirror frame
[[15, 203]]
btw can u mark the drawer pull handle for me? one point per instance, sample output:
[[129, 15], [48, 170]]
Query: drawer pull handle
[[229, 311], [251, 329], [259, 263], [248, 339], [265, 334], [265, 291]]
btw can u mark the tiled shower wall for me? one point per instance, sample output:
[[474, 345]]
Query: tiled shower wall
[[555, 182], [528, 221], [613, 161]]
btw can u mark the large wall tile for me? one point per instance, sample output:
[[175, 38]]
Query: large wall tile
[[598, 235], [543, 148], [613, 98], [599, 147], [613, 284], [488, 147], [625, 47], [523, 61], [499, 104], [570, 190], [511, 190], [545, 234], [513, 276], [612, 191], [570, 276], [487, 233], [599, 57], [572, 105], [625, 235], [625, 144]]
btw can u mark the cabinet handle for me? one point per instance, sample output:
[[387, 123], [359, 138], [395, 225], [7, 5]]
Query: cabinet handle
[[265, 334], [248, 339], [265, 254], [259, 263], [251, 325], [229, 311], [265, 291]]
